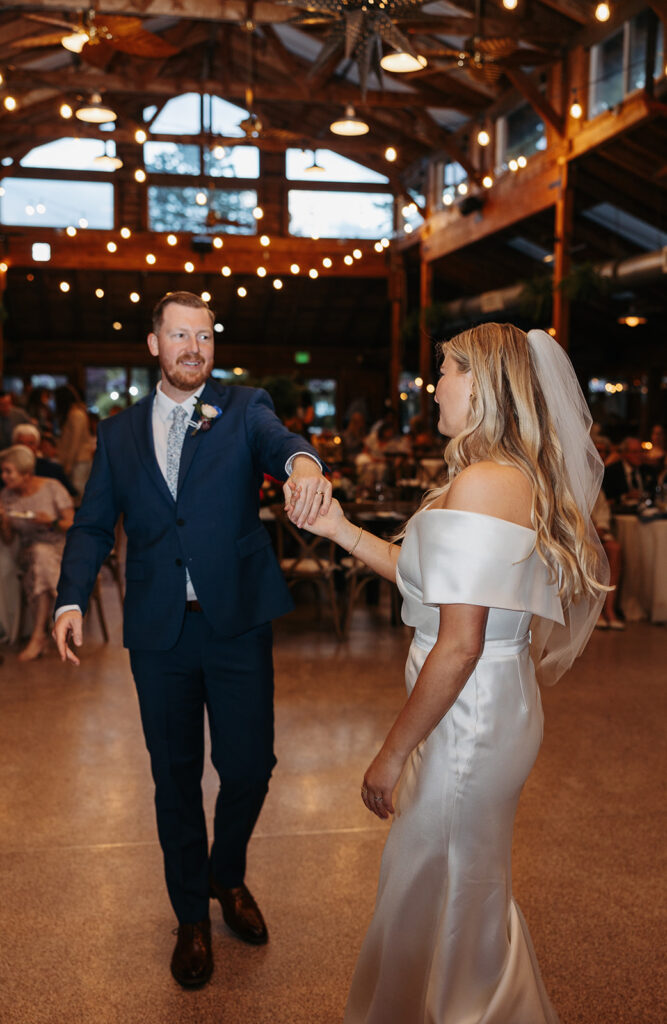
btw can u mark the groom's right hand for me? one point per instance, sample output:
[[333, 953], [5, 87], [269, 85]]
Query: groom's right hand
[[69, 624]]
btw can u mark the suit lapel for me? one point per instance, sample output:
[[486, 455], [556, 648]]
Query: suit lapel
[[142, 425], [194, 439]]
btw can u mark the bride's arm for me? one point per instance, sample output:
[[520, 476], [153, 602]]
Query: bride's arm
[[379, 555], [448, 666]]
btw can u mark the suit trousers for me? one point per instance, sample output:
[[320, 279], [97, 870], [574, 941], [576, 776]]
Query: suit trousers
[[232, 677]]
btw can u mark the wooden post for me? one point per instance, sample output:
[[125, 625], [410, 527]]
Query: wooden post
[[3, 281], [562, 245], [396, 288], [425, 344]]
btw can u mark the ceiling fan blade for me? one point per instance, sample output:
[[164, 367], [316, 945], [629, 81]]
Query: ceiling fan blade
[[145, 44], [120, 26], [41, 19], [33, 42]]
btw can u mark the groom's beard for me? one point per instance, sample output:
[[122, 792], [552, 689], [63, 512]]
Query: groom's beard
[[188, 378]]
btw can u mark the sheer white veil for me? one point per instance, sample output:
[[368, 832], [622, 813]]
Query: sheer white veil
[[555, 647]]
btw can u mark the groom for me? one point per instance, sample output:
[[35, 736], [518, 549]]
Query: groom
[[183, 467]]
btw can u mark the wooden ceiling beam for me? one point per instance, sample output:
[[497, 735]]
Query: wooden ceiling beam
[[576, 10], [242, 253], [205, 10]]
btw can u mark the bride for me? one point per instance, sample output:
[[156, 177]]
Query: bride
[[501, 575]]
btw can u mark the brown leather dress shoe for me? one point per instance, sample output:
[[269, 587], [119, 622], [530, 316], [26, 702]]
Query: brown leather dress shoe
[[241, 913], [192, 961]]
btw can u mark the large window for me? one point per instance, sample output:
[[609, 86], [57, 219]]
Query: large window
[[618, 65], [69, 154], [56, 204], [520, 133], [214, 161], [324, 165], [182, 209], [340, 214], [191, 114]]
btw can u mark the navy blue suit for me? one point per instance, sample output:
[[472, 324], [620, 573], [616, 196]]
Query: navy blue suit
[[182, 661]]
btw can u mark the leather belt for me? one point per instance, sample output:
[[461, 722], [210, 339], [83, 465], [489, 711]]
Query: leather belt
[[193, 606]]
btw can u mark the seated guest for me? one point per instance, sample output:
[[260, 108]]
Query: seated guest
[[10, 415], [386, 438], [39, 511], [30, 436], [601, 516], [353, 435], [626, 479]]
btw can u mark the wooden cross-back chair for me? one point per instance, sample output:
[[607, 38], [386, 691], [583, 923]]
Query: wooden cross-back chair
[[304, 557]]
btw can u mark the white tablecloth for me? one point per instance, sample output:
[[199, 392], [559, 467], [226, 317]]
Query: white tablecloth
[[643, 589], [10, 591]]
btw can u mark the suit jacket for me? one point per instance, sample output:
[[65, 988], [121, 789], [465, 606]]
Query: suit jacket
[[614, 481], [213, 527]]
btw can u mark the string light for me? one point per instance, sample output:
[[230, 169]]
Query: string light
[[430, 388], [348, 260], [327, 262], [513, 166], [64, 286], [603, 12], [9, 103], [462, 188], [487, 181], [447, 199], [140, 175], [83, 223], [357, 254], [172, 240], [510, 5], [277, 283], [261, 271], [390, 154], [135, 297], [483, 137], [111, 246], [150, 259], [99, 293], [117, 325], [295, 268], [384, 242], [313, 273], [241, 292], [188, 267], [378, 247], [226, 271], [205, 296], [218, 242], [521, 160], [66, 111], [258, 213], [71, 231], [264, 240], [201, 199], [4, 267], [125, 232], [140, 135]]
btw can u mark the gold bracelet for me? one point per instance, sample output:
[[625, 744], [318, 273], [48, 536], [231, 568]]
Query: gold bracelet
[[361, 530]]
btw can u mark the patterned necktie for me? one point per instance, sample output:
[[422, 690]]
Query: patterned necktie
[[175, 438]]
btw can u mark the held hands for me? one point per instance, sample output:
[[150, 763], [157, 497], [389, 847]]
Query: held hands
[[69, 625], [323, 522], [380, 782]]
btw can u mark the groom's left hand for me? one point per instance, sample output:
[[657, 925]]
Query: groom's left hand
[[307, 492]]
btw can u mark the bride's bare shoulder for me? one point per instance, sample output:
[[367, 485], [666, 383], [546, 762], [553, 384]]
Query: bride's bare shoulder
[[491, 489]]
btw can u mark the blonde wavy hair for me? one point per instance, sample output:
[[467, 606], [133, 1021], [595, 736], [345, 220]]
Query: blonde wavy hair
[[509, 424]]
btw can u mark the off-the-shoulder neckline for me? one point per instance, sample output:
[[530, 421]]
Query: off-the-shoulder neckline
[[482, 515]]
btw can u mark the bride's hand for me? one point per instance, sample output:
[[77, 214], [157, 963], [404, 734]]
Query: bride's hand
[[380, 782], [324, 526]]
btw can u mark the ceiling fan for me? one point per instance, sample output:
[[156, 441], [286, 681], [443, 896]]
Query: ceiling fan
[[120, 33], [484, 56]]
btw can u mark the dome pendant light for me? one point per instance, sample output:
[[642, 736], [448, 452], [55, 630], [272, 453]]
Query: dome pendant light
[[350, 124]]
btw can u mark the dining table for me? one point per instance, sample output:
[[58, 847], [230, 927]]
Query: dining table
[[643, 585]]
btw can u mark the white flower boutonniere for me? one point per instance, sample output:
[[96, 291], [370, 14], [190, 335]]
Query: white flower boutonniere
[[207, 414]]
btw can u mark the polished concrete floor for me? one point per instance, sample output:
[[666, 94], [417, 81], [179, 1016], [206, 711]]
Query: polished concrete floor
[[85, 925]]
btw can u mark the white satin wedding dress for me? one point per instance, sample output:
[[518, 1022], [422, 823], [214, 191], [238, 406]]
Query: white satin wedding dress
[[447, 943]]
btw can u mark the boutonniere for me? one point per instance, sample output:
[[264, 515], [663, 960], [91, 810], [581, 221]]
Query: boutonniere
[[207, 414]]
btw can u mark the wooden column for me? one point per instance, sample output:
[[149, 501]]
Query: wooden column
[[425, 341], [562, 261], [3, 281], [397, 289]]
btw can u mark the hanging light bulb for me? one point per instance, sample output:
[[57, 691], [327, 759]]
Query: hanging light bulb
[[483, 137], [95, 112], [576, 109], [140, 175], [314, 168], [401, 62], [105, 162], [350, 124], [603, 11], [140, 135], [391, 154], [75, 41], [66, 111], [9, 103]]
